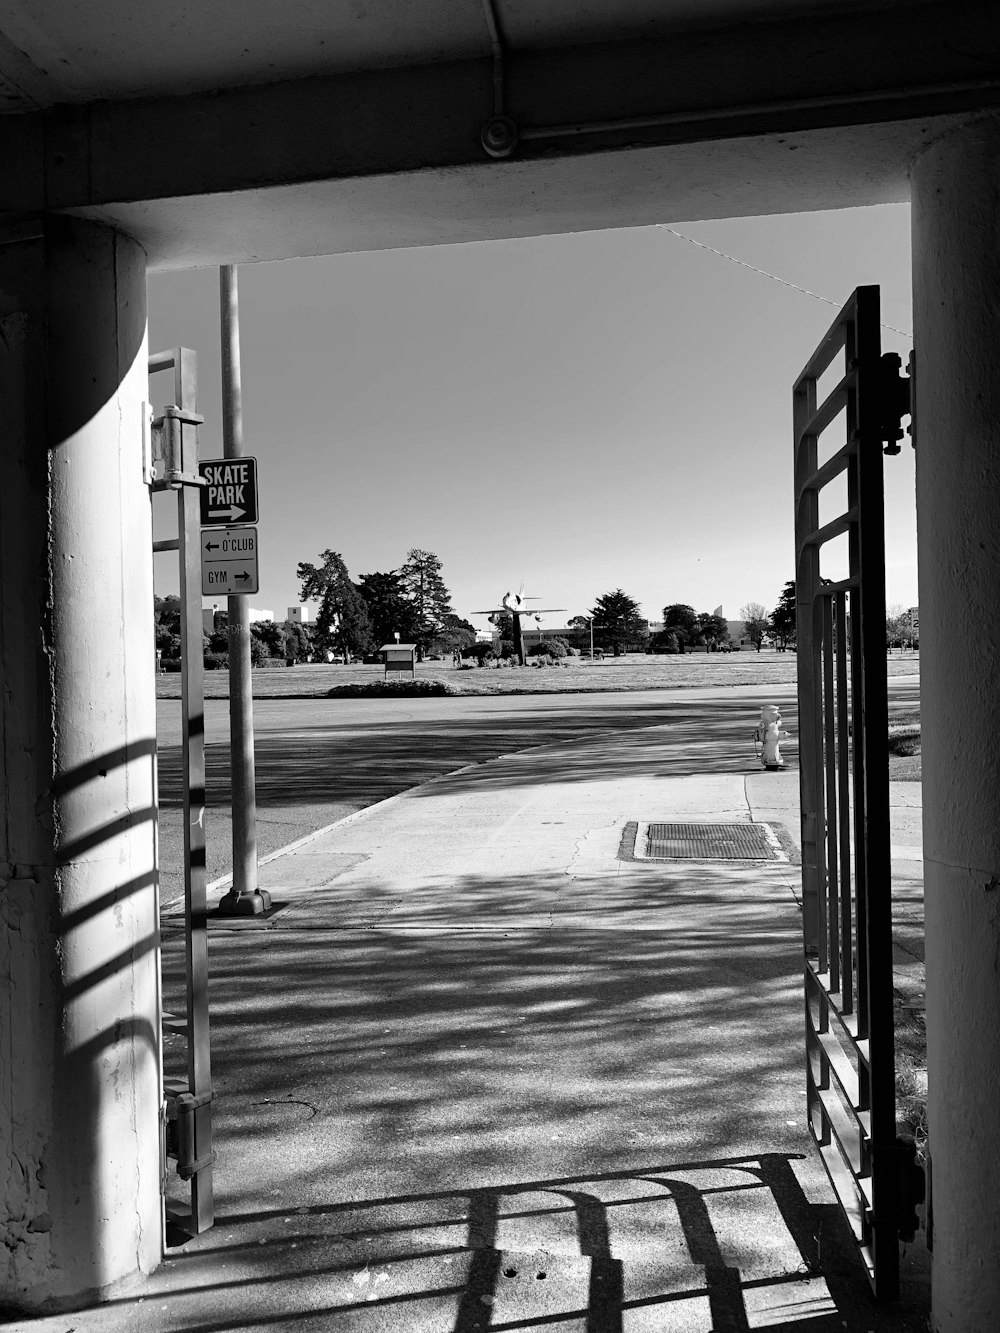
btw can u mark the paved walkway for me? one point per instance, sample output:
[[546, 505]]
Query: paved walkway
[[482, 1072]]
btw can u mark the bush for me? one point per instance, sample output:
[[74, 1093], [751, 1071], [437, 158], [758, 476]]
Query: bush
[[397, 689], [555, 648], [273, 662], [170, 664], [216, 661], [480, 652]]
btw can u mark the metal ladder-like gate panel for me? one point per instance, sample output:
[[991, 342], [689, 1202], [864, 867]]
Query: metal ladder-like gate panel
[[844, 781], [187, 1136]]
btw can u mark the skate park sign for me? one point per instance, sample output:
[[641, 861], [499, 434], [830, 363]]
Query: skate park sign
[[230, 491]]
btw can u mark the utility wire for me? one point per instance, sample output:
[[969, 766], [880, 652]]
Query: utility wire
[[764, 274]]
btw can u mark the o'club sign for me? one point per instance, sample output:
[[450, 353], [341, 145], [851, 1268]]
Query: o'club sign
[[229, 562], [230, 492]]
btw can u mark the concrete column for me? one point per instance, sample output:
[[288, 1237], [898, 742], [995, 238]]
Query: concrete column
[[956, 321], [79, 1047]]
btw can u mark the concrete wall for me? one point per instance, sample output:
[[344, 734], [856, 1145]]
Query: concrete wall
[[80, 1074]]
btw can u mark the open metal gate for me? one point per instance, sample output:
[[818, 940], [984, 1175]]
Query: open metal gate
[[187, 1111], [844, 777]]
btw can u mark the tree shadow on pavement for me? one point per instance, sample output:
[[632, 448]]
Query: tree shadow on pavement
[[366, 764], [607, 1092]]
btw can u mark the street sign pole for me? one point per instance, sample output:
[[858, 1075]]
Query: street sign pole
[[244, 899]]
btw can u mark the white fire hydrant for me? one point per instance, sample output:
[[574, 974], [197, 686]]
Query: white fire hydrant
[[769, 734]]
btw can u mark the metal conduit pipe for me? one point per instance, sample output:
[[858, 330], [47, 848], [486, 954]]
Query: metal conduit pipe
[[496, 44], [759, 108], [913, 100]]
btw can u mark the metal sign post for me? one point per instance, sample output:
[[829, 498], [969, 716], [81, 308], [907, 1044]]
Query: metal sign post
[[229, 489]]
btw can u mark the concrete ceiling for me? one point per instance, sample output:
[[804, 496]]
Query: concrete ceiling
[[73, 51], [233, 130]]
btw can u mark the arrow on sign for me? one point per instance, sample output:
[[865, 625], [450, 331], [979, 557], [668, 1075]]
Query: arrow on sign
[[231, 513], [245, 576], [212, 546]]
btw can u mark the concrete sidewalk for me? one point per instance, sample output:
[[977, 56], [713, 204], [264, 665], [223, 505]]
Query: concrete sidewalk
[[483, 1071]]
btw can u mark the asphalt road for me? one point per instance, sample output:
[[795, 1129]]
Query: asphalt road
[[318, 760]]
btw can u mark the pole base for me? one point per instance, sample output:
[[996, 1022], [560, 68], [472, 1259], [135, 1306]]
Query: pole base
[[773, 768], [245, 904]]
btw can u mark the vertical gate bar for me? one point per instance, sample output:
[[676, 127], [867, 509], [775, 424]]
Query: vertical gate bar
[[193, 748], [832, 823], [806, 581], [858, 748], [844, 788], [874, 796]]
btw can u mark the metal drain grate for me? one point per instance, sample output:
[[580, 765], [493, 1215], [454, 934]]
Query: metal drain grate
[[711, 842]]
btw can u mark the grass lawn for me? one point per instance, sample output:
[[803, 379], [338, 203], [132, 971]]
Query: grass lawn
[[635, 671], [904, 747]]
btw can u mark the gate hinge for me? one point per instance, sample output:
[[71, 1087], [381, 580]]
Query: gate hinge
[[173, 452], [181, 1108], [895, 400]]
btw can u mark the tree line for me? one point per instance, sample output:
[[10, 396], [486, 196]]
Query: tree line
[[618, 625], [355, 618]]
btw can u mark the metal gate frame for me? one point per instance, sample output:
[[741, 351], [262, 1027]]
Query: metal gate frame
[[187, 1135], [844, 784]]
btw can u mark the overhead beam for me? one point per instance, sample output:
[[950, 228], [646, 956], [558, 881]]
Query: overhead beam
[[313, 143], [844, 68]]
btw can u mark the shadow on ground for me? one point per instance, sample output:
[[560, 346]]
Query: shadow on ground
[[522, 1103], [364, 764]]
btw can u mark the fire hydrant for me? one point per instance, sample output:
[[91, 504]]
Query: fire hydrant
[[769, 734]]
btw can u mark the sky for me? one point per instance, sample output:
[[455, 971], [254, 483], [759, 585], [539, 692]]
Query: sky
[[579, 413]]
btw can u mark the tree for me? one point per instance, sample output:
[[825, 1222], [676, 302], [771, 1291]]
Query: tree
[[783, 617], [898, 628], [682, 620], [503, 622], [756, 622], [167, 626], [342, 625], [456, 634], [390, 608], [617, 621], [580, 625], [712, 629], [269, 635], [426, 591], [297, 641]]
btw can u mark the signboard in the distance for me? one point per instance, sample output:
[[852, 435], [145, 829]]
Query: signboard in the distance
[[230, 491]]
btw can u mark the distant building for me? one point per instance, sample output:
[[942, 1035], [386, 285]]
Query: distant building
[[259, 613], [303, 614]]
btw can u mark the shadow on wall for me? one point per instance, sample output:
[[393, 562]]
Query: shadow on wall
[[98, 1026]]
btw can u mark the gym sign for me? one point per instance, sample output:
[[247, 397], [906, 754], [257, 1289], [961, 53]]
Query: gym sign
[[230, 491], [229, 562]]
